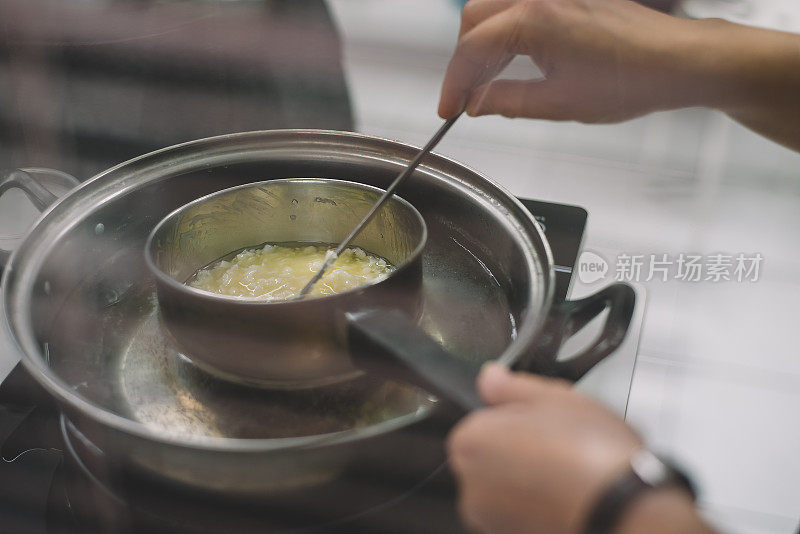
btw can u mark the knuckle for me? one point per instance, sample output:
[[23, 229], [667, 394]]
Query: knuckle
[[471, 51], [560, 110], [464, 438], [531, 16], [472, 11], [589, 115], [592, 116], [458, 440], [475, 11], [542, 13], [509, 112], [522, 12], [530, 7], [545, 7], [455, 445]]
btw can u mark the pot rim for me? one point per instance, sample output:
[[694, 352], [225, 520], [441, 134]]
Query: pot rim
[[32, 357], [208, 295]]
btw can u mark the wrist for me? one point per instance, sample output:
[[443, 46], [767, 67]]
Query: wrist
[[734, 68], [695, 64]]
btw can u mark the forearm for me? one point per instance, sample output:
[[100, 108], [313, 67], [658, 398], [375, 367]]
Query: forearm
[[752, 75], [663, 512]]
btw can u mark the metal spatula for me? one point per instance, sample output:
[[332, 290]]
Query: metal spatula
[[381, 201]]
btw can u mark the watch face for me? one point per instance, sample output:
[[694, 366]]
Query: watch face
[[656, 472], [649, 468]]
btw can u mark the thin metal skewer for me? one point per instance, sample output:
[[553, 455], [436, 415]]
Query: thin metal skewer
[[381, 201]]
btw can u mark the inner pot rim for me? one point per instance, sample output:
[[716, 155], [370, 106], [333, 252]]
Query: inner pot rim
[[245, 301]]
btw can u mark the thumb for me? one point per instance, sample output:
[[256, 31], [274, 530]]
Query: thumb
[[533, 99], [498, 385]]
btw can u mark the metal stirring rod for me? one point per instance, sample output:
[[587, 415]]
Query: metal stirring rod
[[381, 201]]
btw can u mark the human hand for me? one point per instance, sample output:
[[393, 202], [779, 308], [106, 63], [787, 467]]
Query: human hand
[[538, 458], [604, 60]]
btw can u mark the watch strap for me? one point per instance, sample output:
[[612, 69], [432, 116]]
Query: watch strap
[[646, 472]]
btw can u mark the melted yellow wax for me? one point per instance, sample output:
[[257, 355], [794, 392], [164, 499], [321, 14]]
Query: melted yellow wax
[[279, 272]]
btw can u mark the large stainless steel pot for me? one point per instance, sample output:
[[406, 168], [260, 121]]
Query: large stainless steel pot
[[81, 306]]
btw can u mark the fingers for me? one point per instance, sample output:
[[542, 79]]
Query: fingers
[[476, 11], [476, 462], [533, 99], [497, 385], [482, 53]]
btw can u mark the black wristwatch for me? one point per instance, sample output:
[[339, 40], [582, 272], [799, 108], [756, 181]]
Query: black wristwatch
[[647, 472]]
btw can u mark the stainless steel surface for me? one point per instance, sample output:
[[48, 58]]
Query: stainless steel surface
[[430, 145], [293, 344], [41, 187], [81, 304]]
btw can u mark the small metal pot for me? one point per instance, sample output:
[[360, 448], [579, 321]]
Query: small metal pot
[[292, 344]]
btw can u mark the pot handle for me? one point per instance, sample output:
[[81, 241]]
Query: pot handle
[[25, 179], [567, 318], [388, 343]]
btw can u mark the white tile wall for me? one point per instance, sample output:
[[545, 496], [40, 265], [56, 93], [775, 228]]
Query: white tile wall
[[717, 383]]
